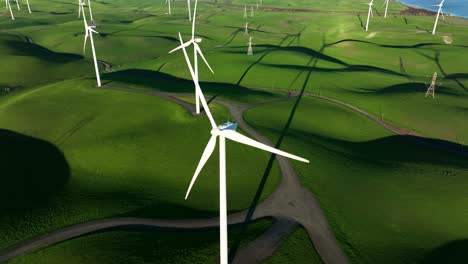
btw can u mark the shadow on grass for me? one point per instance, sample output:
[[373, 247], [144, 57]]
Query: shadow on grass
[[21, 48], [31, 169], [407, 88], [168, 83], [266, 174], [455, 252]]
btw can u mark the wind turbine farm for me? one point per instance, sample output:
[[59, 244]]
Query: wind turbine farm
[[314, 132]]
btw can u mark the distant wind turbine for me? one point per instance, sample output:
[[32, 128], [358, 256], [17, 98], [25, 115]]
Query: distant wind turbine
[[90, 11], [439, 12], [369, 14], [29, 8], [80, 6], [196, 51], [89, 30], [189, 10], [168, 2], [250, 50], [9, 7], [386, 7]]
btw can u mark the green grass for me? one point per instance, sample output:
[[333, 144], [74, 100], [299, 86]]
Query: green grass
[[141, 247], [297, 248], [123, 151], [112, 141], [388, 200]]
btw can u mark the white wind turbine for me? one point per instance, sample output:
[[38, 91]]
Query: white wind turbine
[[9, 7], [386, 7], [89, 30], [29, 8], [168, 2], [196, 51], [227, 130], [369, 13], [90, 11], [80, 7], [439, 12], [189, 10], [250, 50], [222, 132]]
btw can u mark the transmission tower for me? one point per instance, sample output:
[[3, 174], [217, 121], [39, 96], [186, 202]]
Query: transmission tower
[[431, 90]]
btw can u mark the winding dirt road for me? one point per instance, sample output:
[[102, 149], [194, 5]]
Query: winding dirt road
[[289, 204]]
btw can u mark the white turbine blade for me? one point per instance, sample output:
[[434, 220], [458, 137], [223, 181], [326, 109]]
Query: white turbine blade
[[197, 85], [204, 158], [184, 45], [92, 30], [384, 3], [84, 43], [194, 18], [238, 137], [189, 10], [197, 48]]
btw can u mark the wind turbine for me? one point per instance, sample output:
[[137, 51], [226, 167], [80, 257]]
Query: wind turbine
[[196, 51], [250, 50], [369, 14], [9, 7], [168, 2], [90, 11], [80, 7], [29, 8], [89, 30], [221, 132], [386, 7], [189, 10], [438, 14]]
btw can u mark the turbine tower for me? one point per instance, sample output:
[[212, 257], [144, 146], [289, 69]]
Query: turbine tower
[[369, 14], [439, 12], [222, 132], [89, 30], [250, 50], [29, 8], [196, 51], [386, 7], [80, 7], [189, 10], [168, 2], [9, 7], [431, 89], [90, 11]]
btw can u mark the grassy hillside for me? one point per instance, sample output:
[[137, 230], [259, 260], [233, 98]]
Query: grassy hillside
[[121, 156], [389, 200]]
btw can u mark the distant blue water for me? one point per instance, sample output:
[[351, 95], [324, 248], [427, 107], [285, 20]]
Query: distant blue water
[[454, 7]]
